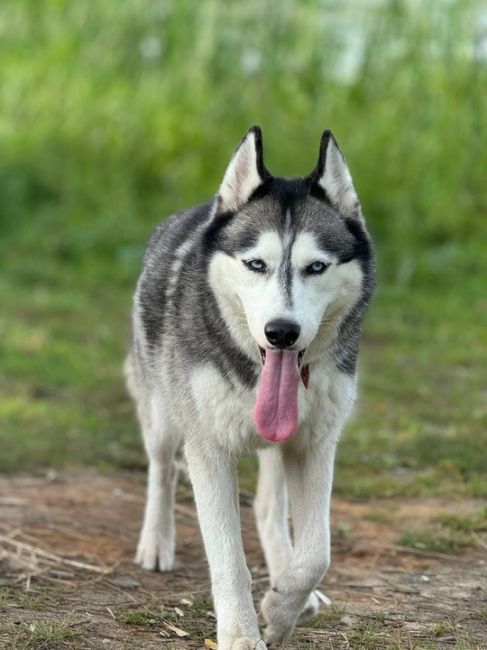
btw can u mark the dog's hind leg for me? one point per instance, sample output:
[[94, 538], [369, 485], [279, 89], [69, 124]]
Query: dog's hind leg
[[155, 550], [271, 512], [309, 478]]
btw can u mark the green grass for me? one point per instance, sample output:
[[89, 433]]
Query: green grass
[[445, 628], [427, 540], [369, 637], [26, 599], [473, 523], [328, 616], [449, 533], [481, 615], [114, 115], [40, 635], [138, 617], [195, 622]]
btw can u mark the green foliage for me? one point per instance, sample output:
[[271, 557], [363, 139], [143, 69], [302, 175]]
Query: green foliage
[[116, 114], [113, 114]]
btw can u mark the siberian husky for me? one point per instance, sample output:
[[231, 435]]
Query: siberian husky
[[246, 321]]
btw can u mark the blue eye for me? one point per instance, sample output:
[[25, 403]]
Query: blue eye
[[256, 265], [316, 268]]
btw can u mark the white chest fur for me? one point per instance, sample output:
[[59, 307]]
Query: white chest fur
[[225, 412]]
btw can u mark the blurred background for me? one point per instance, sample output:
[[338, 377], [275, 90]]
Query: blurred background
[[115, 114]]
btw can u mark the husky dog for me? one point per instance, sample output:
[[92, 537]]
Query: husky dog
[[246, 320]]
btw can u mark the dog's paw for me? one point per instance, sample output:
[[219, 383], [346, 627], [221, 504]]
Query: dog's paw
[[274, 637], [280, 612], [154, 553]]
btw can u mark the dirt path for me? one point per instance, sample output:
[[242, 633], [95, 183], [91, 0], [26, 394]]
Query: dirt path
[[384, 595]]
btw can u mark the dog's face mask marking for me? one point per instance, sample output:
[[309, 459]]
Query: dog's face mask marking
[[289, 268], [296, 282]]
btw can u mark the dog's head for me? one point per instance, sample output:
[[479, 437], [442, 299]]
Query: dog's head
[[292, 259]]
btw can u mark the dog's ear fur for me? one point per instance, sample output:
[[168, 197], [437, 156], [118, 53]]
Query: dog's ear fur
[[333, 177], [244, 174]]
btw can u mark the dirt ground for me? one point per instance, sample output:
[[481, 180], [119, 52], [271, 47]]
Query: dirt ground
[[67, 579]]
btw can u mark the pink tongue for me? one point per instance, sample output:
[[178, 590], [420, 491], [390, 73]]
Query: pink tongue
[[276, 408]]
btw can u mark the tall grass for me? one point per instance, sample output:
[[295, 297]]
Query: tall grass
[[114, 114]]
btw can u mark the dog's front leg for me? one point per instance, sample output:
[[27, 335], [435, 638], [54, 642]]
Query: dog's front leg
[[214, 476], [309, 478]]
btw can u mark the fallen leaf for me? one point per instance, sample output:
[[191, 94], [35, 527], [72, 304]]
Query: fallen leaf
[[211, 644]]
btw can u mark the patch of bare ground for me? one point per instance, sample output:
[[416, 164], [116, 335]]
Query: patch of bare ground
[[67, 579]]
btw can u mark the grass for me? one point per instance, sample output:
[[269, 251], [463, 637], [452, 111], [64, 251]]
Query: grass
[[31, 601], [114, 115], [473, 523], [138, 617], [428, 540], [40, 635], [369, 637], [28, 600], [380, 515], [449, 533], [327, 616], [481, 615], [195, 622], [445, 628]]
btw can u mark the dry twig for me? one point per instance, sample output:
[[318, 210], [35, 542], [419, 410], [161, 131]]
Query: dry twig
[[36, 552]]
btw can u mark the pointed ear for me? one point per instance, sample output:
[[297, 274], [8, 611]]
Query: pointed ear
[[245, 172], [333, 176]]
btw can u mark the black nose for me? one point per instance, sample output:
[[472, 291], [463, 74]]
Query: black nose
[[282, 333]]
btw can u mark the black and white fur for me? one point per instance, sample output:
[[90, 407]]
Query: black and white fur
[[199, 320]]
